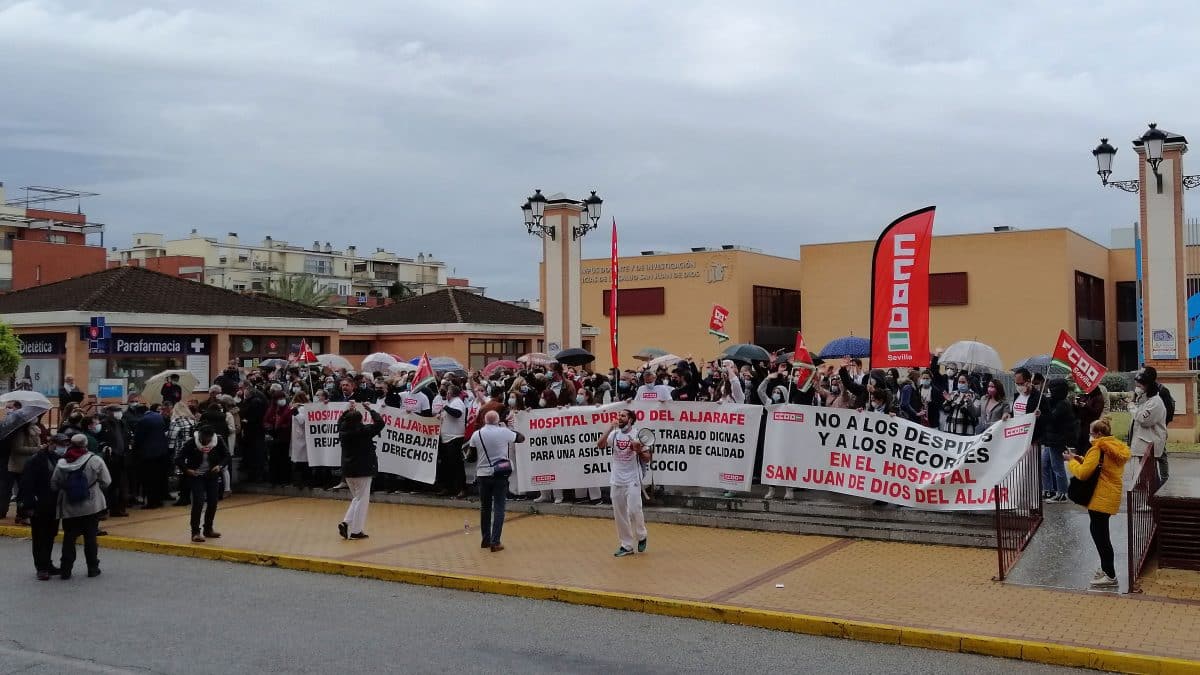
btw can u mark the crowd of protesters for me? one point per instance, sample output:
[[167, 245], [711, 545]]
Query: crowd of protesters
[[139, 452]]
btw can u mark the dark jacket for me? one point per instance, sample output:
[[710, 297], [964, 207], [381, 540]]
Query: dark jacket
[[253, 409], [38, 498], [910, 403], [358, 447], [114, 435], [858, 393], [65, 397], [1058, 418], [171, 393], [215, 418], [190, 456], [150, 436], [228, 382]]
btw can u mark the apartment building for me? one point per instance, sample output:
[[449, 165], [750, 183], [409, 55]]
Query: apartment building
[[39, 245], [353, 279]]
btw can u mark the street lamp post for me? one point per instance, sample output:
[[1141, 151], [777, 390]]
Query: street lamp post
[[1164, 330], [551, 219]]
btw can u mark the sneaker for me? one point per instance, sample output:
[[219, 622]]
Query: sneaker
[[622, 552], [197, 538], [1060, 498], [596, 502], [359, 535], [727, 494], [344, 530], [212, 535], [770, 494], [1104, 581], [43, 575], [789, 495], [94, 572], [1098, 576], [558, 501], [642, 545]]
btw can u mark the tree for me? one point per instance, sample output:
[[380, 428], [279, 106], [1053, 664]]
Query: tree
[[301, 288], [10, 351], [399, 291]]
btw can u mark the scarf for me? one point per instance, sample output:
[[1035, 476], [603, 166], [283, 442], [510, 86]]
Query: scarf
[[202, 447], [74, 453]]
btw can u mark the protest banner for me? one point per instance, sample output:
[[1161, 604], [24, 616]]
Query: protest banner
[[889, 458], [702, 444], [408, 445], [321, 433], [1069, 355], [697, 444], [560, 450]]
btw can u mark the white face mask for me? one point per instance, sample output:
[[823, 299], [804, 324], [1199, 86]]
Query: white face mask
[[1139, 390], [512, 401], [281, 402], [118, 415]]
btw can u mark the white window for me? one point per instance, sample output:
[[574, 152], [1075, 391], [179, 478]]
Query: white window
[[239, 287], [57, 238]]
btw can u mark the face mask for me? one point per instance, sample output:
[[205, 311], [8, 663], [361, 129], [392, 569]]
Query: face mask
[[1139, 390], [118, 415], [329, 388], [835, 389], [1092, 438], [524, 390], [238, 399], [95, 428], [580, 399], [963, 388], [281, 402], [778, 398], [60, 450], [295, 390], [512, 401], [623, 385], [925, 383]]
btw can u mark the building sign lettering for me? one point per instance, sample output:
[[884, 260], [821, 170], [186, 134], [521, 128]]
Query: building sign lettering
[[42, 344], [658, 271], [158, 344]]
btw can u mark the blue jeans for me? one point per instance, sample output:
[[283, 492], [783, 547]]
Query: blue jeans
[[493, 493], [1054, 470]]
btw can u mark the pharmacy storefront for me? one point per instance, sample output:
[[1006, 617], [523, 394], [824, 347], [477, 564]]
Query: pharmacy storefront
[[136, 357], [41, 367]]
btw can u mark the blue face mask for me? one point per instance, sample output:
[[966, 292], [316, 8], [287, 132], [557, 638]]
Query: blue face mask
[[963, 388], [623, 385]]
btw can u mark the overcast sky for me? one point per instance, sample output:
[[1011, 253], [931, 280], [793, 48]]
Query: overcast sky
[[422, 126]]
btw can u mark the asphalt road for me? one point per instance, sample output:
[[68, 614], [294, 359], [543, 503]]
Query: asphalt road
[[160, 614]]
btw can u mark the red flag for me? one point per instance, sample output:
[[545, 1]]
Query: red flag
[[306, 355], [802, 361], [1087, 371], [716, 323], [900, 292], [424, 375], [612, 301]]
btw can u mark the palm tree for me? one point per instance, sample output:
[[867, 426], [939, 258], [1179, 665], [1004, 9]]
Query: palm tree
[[301, 288], [399, 291]]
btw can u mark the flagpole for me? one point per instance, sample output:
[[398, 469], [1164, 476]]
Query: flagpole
[[613, 321]]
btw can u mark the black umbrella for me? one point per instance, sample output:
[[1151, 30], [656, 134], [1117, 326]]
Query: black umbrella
[[745, 353], [574, 357]]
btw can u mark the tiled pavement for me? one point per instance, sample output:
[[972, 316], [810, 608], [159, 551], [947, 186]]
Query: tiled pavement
[[911, 585]]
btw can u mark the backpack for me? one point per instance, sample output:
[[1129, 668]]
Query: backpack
[[1165, 395], [76, 487]]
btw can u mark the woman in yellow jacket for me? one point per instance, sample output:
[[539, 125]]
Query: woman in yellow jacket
[[1106, 500]]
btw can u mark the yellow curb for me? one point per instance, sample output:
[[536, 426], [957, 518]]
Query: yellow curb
[[1026, 650]]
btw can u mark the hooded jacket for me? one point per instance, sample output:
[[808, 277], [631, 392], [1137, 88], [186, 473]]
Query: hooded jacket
[[1109, 489], [1059, 425], [98, 478], [1149, 433]]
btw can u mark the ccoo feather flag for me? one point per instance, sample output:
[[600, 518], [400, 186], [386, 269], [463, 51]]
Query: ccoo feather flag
[[802, 362], [900, 292]]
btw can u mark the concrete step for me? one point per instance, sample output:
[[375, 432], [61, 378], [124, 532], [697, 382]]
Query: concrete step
[[820, 516]]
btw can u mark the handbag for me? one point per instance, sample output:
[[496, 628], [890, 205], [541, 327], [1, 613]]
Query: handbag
[[1081, 491], [501, 468]]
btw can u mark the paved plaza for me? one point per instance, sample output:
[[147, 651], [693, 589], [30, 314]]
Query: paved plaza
[[937, 596]]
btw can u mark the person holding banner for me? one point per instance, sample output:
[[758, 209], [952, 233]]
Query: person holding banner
[[625, 479], [359, 465], [493, 446]]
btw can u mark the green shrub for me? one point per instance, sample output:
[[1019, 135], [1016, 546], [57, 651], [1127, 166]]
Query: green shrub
[[1115, 382]]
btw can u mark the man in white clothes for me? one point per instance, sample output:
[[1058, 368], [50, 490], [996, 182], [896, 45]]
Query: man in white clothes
[[625, 478], [649, 391]]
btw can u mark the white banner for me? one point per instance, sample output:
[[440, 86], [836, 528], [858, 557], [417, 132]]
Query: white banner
[[698, 444], [888, 458], [321, 433], [408, 445], [708, 445], [560, 450]]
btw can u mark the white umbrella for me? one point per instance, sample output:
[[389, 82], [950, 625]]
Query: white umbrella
[[664, 360], [27, 399], [972, 356], [152, 390], [334, 361], [401, 367], [378, 362], [537, 359]]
